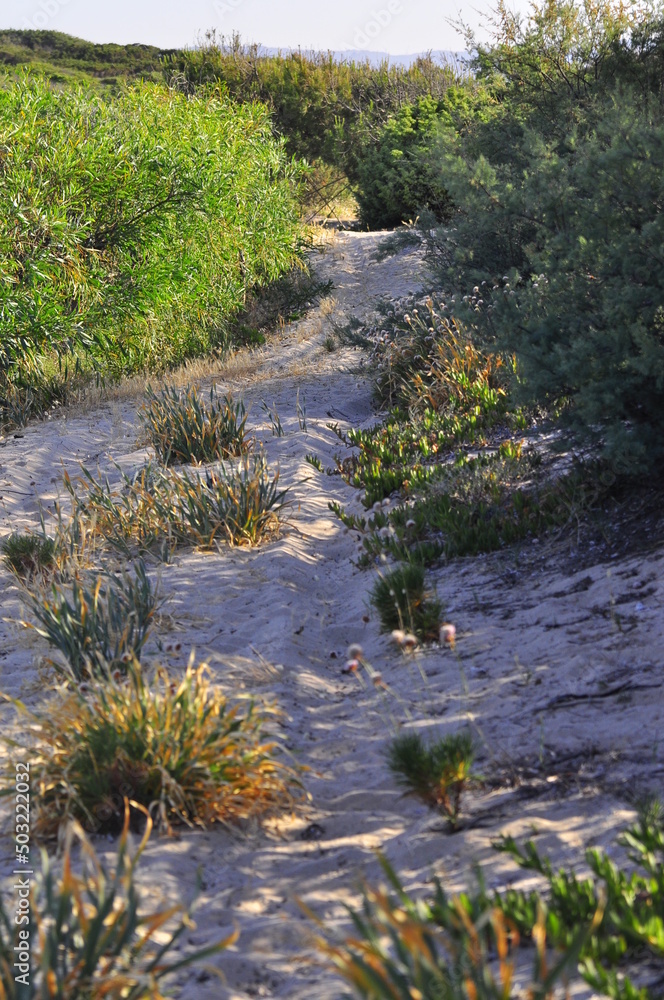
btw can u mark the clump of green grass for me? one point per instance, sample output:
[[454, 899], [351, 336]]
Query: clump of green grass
[[91, 933], [182, 428], [402, 602], [438, 773], [96, 624], [157, 512], [27, 553], [173, 744]]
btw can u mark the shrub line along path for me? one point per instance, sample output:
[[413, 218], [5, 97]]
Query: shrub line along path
[[555, 669]]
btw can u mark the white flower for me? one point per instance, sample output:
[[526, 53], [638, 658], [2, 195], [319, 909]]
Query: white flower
[[448, 634], [355, 652]]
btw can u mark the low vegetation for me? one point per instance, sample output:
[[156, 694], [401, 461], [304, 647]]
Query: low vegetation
[[91, 932], [156, 511], [437, 772], [606, 928], [173, 744], [28, 554], [214, 219], [402, 602], [453, 947], [183, 428], [97, 623], [456, 455]]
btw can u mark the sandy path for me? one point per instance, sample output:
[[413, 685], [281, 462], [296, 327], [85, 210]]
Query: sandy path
[[277, 620]]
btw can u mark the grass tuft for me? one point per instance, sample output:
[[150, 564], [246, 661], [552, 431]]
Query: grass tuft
[[438, 773], [173, 744], [157, 512], [96, 624], [91, 934], [28, 554], [402, 602], [182, 428]]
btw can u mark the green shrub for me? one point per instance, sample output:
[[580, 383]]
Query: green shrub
[[131, 236], [96, 624], [443, 393], [90, 932], [324, 108], [174, 745], [437, 773], [27, 554], [553, 249], [181, 428], [396, 175], [402, 602], [629, 938]]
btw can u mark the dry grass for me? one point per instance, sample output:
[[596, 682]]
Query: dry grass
[[173, 744], [90, 936], [159, 511]]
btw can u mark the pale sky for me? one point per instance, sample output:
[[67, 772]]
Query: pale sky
[[396, 26]]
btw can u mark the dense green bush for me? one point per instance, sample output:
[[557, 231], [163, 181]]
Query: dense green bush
[[132, 229], [396, 174], [325, 109], [554, 247]]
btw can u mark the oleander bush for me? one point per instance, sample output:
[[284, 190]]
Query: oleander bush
[[174, 744], [96, 622], [91, 932], [132, 228], [183, 428], [157, 511]]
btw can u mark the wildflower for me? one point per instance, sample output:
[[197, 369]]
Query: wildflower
[[351, 667], [355, 652], [409, 641], [378, 680], [410, 523], [448, 634], [398, 636]]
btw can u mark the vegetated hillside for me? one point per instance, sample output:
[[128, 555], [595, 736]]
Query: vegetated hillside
[[322, 106], [64, 57], [551, 247], [132, 228]]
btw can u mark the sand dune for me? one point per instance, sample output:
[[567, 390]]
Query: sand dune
[[558, 669]]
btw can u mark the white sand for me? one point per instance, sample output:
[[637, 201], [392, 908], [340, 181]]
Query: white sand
[[277, 620]]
